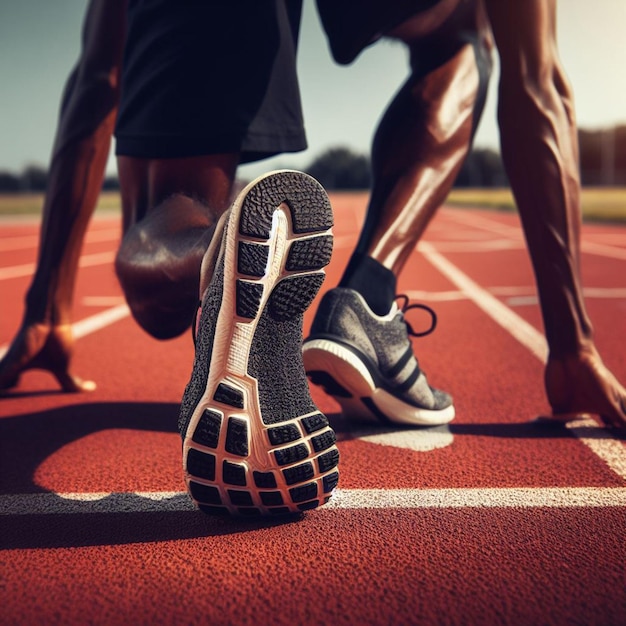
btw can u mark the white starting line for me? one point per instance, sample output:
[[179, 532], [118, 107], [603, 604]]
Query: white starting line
[[355, 499], [28, 269]]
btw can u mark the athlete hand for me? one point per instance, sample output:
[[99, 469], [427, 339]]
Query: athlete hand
[[580, 384], [42, 346]]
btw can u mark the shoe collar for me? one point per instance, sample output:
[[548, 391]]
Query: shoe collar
[[395, 309]]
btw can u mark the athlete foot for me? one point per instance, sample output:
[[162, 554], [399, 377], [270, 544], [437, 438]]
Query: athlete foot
[[580, 384], [158, 265], [46, 347], [366, 362]]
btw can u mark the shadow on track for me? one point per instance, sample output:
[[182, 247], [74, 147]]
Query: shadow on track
[[28, 440], [347, 428]]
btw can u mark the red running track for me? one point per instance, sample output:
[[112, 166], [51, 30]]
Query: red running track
[[490, 520]]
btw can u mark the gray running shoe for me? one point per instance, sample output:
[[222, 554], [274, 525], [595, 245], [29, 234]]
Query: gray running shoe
[[253, 441], [366, 363]]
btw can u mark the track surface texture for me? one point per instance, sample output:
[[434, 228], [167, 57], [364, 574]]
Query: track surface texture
[[490, 519]]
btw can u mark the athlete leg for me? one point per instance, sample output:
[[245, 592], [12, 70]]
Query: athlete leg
[[77, 166], [359, 348], [540, 152], [170, 207], [191, 111], [421, 142]]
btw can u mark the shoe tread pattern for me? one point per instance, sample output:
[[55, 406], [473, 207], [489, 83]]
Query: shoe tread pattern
[[301, 471], [310, 209]]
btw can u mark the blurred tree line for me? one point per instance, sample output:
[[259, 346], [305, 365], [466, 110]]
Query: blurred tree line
[[35, 178], [602, 163]]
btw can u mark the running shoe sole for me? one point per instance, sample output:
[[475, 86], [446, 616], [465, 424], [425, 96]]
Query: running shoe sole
[[254, 443], [353, 381]]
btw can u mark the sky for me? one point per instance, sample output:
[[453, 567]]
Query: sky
[[39, 43]]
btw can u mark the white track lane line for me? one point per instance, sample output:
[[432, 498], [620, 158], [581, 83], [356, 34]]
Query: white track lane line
[[93, 323], [493, 226], [524, 332], [611, 450], [516, 296], [28, 242], [601, 293], [28, 269], [162, 501], [590, 247], [100, 320]]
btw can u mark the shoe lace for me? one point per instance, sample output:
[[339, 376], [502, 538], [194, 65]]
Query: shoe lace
[[406, 306]]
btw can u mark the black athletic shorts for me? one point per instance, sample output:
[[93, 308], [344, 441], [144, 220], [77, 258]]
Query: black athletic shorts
[[210, 76], [352, 26]]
